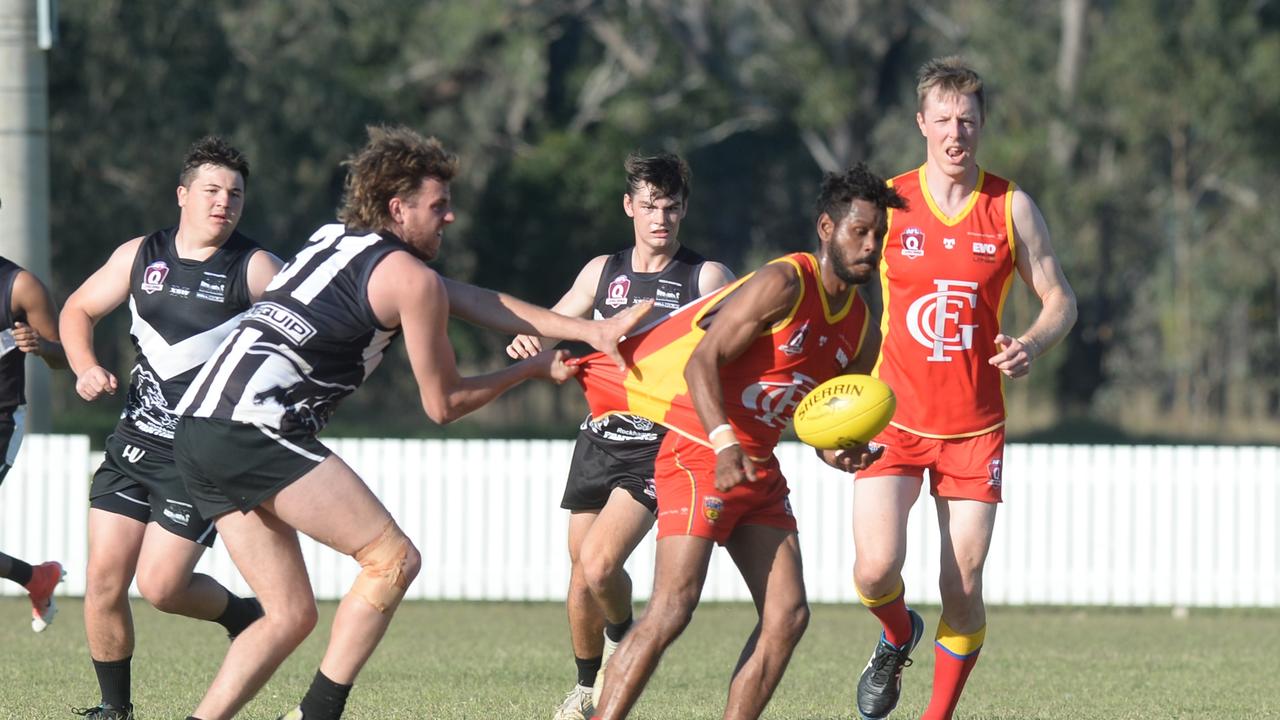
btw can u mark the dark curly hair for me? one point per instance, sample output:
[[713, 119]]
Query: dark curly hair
[[838, 192], [393, 164], [212, 150], [668, 174]]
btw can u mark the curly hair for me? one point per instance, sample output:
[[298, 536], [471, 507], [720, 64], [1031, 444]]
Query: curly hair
[[212, 150], [393, 164], [668, 174], [839, 190], [951, 76]]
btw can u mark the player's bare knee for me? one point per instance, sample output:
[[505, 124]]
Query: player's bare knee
[[875, 576], [600, 571], [785, 623], [163, 595], [106, 585], [387, 565], [671, 615]]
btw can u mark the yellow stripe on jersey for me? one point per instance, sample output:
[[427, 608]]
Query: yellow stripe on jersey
[[1008, 223], [958, 644]]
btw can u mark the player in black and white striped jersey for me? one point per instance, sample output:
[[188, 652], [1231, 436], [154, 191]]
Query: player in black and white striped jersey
[[246, 443], [186, 287]]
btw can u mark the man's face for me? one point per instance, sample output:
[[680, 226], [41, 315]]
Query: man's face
[[212, 203], [656, 218], [952, 126], [421, 218], [852, 246]]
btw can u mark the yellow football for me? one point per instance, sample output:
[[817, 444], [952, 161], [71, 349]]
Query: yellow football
[[845, 411]]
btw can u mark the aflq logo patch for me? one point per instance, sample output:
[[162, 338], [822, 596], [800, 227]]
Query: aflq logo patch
[[619, 287], [153, 277]]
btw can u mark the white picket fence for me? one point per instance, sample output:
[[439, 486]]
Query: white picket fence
[[1081, 525]]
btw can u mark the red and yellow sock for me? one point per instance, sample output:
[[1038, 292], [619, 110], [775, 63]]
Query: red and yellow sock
[[891, 610], [954, 655]]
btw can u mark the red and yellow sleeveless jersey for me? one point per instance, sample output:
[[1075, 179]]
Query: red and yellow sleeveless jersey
[[945, 280], [761, 387]]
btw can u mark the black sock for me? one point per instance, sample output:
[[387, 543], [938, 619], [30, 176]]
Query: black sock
[[325, 699], [240, 613], [615, 631], [113, 680], [587, 669], [19, 572]]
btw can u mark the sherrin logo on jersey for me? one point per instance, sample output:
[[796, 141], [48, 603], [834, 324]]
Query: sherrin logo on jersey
[[153, 277], [619, 288], [913, 242]]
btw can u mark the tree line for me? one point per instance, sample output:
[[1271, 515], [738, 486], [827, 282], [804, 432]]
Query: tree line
[[1145, 129]]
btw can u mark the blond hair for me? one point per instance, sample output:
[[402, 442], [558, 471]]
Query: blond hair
[[393, 164], [951, 76]]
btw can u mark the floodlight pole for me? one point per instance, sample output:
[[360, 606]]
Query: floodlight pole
[[24, 160]]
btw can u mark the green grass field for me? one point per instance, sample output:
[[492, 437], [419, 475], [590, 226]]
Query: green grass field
[[511, 660]]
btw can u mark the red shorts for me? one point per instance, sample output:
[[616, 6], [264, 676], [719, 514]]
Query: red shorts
[[967, 468], [689, 504]]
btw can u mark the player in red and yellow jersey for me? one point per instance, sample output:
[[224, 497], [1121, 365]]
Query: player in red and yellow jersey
[[949, 261], [725, 374]]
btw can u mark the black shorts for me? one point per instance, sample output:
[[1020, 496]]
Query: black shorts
[[11, 427], [231, 465], [135, 483], [595, 472]]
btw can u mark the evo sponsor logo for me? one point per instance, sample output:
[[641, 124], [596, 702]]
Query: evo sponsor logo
[[289, 323]]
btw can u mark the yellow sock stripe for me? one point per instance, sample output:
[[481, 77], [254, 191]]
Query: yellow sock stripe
[[961, 645], [885, 600]]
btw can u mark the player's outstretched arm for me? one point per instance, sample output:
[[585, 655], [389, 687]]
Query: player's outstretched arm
[[101, 293], [576, 302], [1039, 268], [506, 313], [404, 292], [38, 335], [762, 300]]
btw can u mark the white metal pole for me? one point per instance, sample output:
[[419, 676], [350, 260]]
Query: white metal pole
[[24, 167]]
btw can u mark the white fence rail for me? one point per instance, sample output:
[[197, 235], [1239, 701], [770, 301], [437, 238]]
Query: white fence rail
[[1081, 525]]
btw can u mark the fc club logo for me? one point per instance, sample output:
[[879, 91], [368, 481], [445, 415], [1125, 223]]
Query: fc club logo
[[153, 277], [913, 243], [619, 288]]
